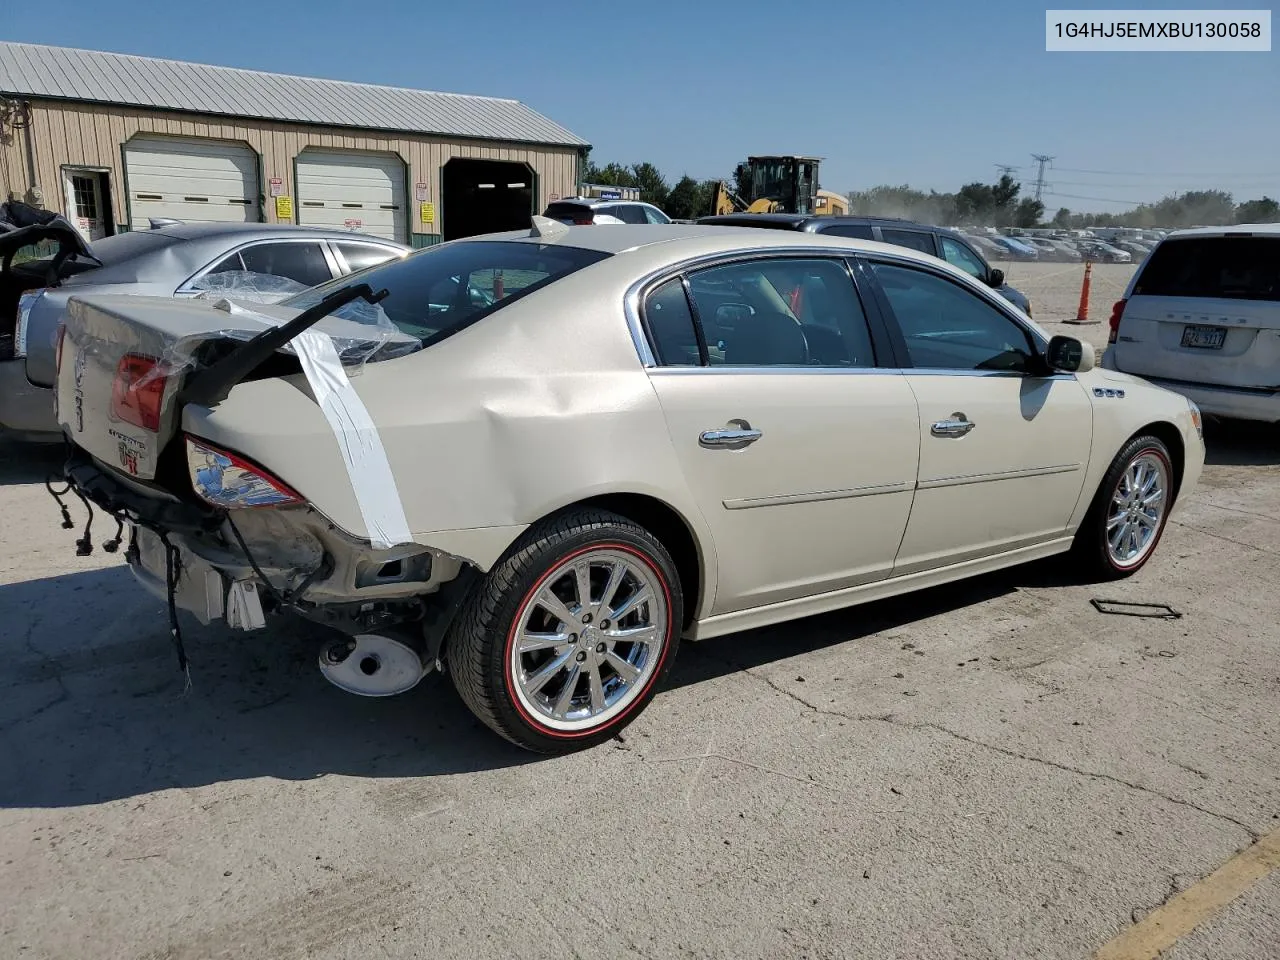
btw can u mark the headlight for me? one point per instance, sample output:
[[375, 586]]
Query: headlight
[[1196, 418]]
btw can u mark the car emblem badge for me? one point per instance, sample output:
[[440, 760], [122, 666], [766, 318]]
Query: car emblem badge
[[79, 392]]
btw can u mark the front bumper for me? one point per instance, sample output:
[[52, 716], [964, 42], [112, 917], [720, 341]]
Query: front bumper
[[26, 411]]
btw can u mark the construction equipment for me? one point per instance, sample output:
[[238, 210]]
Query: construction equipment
[[778, 185]]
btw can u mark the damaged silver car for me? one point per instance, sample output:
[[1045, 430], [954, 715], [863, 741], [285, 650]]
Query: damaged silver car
[[540, 459]]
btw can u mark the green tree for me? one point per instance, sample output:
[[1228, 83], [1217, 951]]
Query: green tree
[[1028, 212], [684, 200], [1062, 219], [653, 187], [1265, 210]]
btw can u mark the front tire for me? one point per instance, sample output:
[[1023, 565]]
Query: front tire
[[1130, 510], [566, 639]]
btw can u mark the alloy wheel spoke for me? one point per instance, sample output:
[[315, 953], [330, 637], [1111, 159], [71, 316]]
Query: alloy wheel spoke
[[565, 699], [1116, 519], [628, 671], [537, 681], [1156, 496], [596, 686], [644, 635], [616, 575], [630, 604], [531, 642], [582, 575], [1118, 537], [549, 602]]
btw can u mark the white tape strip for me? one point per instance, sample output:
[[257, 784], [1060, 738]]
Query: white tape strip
[[358, 440]]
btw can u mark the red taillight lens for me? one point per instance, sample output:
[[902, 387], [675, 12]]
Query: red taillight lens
[[581, 222], [57, 355], [227, 480], [1117, 311], [138, 391]]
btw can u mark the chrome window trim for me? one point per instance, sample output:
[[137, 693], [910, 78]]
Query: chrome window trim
[[322, 241]]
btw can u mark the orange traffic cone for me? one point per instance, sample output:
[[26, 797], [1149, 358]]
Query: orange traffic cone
[[1082, 313]]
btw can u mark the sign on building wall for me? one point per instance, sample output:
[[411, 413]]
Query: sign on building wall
[[277, 186], [428, 213], [420, 192], [284, 208]]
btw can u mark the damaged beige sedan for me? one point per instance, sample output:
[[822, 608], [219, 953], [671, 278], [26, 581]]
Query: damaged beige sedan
[[539, 460]]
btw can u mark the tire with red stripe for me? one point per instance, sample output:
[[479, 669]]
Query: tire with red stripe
[[566, 639], [1129, 512]]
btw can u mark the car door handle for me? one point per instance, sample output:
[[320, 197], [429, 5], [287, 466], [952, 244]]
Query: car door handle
[[957, 426], [734, 435]]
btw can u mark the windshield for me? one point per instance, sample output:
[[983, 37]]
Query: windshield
[[436, 292], [771, 180]]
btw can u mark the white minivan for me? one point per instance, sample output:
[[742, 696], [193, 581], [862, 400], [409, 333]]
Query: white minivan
[[1202, 316]]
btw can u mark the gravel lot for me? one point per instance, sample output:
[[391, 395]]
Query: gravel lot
[[989, 770]]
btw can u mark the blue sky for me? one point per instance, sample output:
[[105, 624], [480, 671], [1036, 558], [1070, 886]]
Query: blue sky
[[934, 93]]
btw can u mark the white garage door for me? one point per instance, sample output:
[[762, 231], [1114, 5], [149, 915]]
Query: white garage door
[[200, 181], [354, 191]]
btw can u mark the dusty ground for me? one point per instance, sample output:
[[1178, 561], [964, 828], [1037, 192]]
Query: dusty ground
[[991, 770]]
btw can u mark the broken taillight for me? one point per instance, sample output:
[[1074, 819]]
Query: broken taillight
[[138, 391], [1117, 312], [228, 480]]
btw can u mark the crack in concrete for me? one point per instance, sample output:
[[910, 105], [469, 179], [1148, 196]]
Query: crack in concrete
[[1005, 751], [1219, 536]]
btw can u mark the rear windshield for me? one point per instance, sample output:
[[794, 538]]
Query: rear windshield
[[568, 211], [1227, 268], [438, 291]]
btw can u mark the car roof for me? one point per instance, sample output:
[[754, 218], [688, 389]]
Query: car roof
[[1263, 229], [597, 201], [698, 237], [253, 231]]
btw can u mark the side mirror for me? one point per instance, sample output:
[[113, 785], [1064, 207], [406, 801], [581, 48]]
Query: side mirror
[[995, 278], [1069, 355]]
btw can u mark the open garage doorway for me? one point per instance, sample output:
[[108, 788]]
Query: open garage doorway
[[485, 196]]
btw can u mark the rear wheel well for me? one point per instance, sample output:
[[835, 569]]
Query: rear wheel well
[[669, 527]]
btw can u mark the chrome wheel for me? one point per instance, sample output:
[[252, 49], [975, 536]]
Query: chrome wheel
[[1137, 509], [589, 639]]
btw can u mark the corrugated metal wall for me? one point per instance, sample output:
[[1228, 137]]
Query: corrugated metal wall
[[92, 135]]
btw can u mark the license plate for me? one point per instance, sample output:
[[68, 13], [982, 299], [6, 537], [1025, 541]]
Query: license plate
[[1207, 338]]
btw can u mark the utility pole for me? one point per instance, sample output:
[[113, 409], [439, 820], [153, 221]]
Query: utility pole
[[1006, 169], [1043, 161]]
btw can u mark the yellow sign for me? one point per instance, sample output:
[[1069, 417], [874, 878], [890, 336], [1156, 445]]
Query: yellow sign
[[428, 213], [284, 208]]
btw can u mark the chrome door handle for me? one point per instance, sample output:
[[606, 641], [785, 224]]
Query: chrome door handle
[[957, 426], [734, 435]]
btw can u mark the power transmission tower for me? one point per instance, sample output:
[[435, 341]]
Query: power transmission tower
[[1006, 169], [1043, 161]]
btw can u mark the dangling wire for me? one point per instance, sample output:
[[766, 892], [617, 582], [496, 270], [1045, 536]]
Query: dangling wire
[[66, 514], [172, 569], [112, 545], [84, 546]]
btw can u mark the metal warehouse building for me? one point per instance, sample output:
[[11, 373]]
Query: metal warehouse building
[[113, 141]]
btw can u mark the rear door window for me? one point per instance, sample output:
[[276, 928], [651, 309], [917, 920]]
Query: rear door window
[[782, 312], [915, 239], [361, 256], [670, 325], [1228, 268], [303, 262]]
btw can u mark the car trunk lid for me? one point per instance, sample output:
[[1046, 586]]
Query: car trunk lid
[[1206, 310], [124, 364]]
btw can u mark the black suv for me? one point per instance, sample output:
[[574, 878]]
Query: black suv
[[949, 245]]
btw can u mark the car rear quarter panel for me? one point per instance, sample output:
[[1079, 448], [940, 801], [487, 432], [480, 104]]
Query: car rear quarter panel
[[538, 406]]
